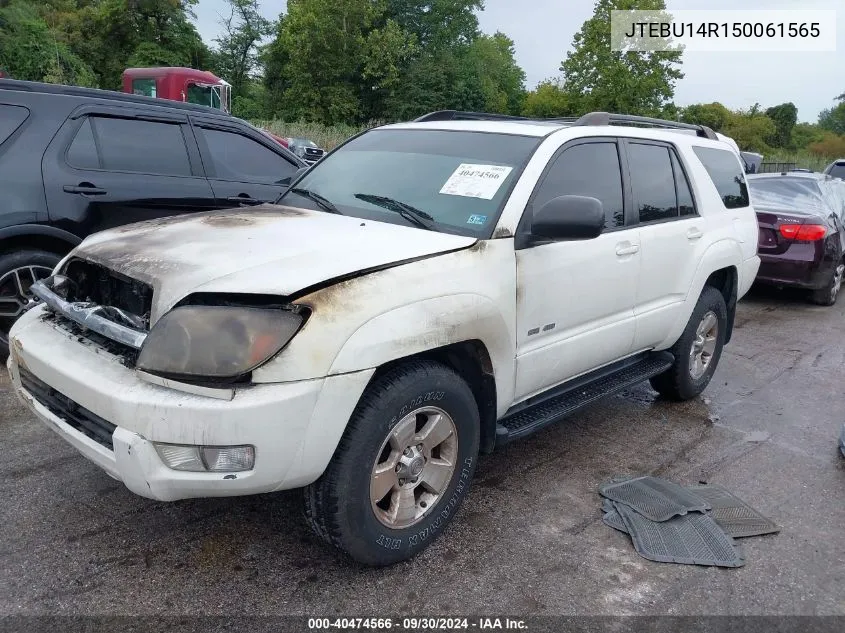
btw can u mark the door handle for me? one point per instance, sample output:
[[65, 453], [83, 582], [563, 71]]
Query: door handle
[[626, 248], [84, 189], [243, 199], [695, 233]]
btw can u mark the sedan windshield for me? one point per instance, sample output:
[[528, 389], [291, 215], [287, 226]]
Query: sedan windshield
[[453, 182]]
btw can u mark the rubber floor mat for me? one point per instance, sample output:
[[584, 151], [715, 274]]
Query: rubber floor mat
[[692, 539], [612, 519], [655, 499], [735, 517]]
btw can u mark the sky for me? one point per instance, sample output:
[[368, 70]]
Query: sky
[[542, 31]]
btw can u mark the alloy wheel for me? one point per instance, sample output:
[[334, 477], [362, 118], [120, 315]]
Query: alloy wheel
[[414, 467], [703, 345]]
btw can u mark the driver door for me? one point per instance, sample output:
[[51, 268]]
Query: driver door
[[575, 306]]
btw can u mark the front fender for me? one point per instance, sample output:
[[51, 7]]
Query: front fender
[[429, 324]]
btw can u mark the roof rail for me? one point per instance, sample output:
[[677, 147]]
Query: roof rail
[[96, 93], [457, 115], [593, 118], [605, 118]]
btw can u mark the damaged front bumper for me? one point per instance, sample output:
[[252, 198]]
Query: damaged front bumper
[[114, 417]]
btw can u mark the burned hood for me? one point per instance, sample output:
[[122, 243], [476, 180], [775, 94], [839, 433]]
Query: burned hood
[[269, 249]]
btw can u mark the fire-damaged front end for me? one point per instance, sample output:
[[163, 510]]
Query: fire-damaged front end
[[155, 348]]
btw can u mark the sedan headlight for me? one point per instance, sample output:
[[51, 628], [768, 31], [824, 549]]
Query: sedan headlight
[[216, 342]]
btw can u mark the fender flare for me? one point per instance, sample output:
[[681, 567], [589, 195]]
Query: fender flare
[[43, 230]]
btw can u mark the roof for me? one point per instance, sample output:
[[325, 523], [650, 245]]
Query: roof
[[96, 93]]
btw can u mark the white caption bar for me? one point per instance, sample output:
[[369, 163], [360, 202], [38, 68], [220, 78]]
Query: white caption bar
[[724, 31]]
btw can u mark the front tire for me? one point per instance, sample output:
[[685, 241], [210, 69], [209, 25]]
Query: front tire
[[402, 468], [698, 351]]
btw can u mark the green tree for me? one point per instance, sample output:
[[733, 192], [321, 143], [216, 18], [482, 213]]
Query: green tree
[[713, 115], [30, 50], [550, 100], [804, 134], [237, 53], [628, 82], [833, 119], [785, 116], [437, 24], [750, 130], [491, 58]]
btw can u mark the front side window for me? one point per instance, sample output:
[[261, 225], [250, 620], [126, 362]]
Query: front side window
[[652, 182], [589, 169], [727, 174], [203, 95], [239, 158], [448, 181], [146, 147]]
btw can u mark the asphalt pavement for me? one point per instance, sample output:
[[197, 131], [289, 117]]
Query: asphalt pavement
[[529, 539]]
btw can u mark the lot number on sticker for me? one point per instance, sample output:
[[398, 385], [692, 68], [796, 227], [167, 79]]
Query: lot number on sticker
[[476, 181]]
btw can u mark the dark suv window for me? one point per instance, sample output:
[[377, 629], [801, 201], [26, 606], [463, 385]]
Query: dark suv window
[[589, 169], [146, 147], [653, 182], [11, 118], [242, 159], [837, 170], [727, 174]]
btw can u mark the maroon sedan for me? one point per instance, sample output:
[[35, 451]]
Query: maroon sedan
[[802, 231]]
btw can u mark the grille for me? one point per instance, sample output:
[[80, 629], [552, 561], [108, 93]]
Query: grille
[[80, 418], [97, 284], [128, 355]]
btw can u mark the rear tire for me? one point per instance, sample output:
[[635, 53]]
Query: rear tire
[[376, 499], [828, 295], [18, 269], [698, 351]]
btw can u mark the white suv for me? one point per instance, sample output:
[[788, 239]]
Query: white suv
[[427, 292]]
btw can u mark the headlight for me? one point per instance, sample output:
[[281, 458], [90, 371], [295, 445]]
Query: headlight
[[216, 341]]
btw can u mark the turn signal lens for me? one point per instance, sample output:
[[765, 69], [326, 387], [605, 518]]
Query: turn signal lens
[[803, 232], [214, 459]]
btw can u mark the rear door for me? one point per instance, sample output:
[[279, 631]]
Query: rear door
[[672, 234], [112, 166], [242, 165]]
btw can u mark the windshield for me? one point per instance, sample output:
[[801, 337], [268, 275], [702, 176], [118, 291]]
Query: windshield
[[203, 95], [458, 180]]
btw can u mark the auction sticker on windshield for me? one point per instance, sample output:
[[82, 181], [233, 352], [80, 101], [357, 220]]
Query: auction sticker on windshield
[[476, 181]]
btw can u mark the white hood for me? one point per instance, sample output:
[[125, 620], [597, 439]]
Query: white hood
[[268, 249]]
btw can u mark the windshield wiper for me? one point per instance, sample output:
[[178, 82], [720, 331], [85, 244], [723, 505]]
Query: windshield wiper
[[322, 202], [412, 214]]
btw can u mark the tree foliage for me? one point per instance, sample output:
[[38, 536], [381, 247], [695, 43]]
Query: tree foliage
[[784, 116], [629, 82]]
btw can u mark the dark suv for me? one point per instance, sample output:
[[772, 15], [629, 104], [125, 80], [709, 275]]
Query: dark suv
[[74, 161]]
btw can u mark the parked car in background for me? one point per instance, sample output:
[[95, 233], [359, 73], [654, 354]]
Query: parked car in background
[[752, 161], [306, 150], [836, 169], [802, 231], [74, 161]]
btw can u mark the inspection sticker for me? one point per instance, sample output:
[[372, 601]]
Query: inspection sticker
[[476, 181]]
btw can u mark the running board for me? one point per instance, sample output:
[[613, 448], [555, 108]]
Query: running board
[[544, 409]]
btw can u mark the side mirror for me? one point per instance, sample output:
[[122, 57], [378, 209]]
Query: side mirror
[[569, 218]]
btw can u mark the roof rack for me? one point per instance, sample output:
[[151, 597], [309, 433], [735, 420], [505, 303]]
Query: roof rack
[[593, 118], [96, 93]]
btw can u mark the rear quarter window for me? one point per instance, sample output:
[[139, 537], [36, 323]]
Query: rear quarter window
[[11, 118], [727, 175]]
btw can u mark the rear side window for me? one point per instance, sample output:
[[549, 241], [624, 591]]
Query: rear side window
[[146, 147], [727, 174], [837, 170], [653, 182], [590, 169], [686, 206], [82, 152], [11, 118], [241, 159]]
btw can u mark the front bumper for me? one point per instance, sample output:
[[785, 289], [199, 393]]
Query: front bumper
[[294, 426]]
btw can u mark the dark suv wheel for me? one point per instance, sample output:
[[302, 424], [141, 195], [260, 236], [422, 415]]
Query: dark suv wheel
[[18, 271], [402, 468]]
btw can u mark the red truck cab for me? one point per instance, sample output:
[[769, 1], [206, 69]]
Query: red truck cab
[[179, 84]]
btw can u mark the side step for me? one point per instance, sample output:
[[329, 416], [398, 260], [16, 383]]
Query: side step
[[539, 411]]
